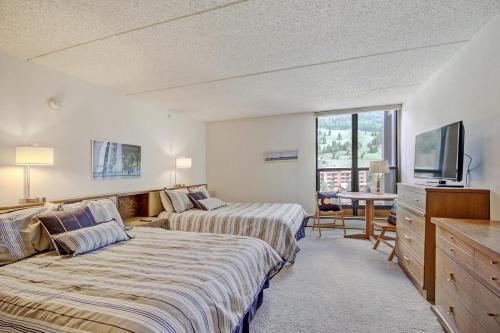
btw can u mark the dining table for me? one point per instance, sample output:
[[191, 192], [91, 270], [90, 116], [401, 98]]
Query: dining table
[[369, 198]]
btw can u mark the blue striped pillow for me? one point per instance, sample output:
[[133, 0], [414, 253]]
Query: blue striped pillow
[[80, 241]]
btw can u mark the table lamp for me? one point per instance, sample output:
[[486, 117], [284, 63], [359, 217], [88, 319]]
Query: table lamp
[[182, 163], [32, 156], [379, 167]]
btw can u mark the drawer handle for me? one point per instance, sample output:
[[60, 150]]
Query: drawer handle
[[491, 314], [416, 200], [406, 258], [407, 219], [494, 262], [407, 237], [451, 312], [452, 250], [451, 278], [493, 278], [452, 238]]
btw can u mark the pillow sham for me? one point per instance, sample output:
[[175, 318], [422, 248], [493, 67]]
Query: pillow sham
[[211, 203], [105, 210], [165, 201], [59, 222], [84, 240], [179, 199], [195, 196], [102, 210], [21, 234], [201, 189]]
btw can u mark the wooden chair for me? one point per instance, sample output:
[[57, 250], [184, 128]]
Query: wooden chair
[[334, 214], [382, 238]]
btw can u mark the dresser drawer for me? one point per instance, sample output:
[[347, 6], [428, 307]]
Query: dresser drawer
[[454, 279], [455, 313], [454, 252], [411, 240], [491, 277], [410, 220], [487, 309], [409, 260], [455, 241], [489, 262], [411, 198]]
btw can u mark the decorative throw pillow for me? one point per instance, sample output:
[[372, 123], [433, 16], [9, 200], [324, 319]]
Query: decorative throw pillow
[[195, 196], [165, 201], [102, 210], [21, 234], [179, 199], [202, 189], [83, 240], [211, 203], [325, 202], [59, 222]]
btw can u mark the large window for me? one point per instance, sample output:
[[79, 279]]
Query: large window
[[346, 144]]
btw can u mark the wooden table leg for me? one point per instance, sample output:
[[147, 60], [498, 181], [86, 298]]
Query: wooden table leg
[[369, 213], [369, 210]]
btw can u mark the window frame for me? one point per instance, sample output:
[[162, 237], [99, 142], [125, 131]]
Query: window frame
[[354, 169]]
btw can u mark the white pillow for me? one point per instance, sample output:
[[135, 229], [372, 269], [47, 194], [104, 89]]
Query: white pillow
[[165, 201], [179, 199], [105, 210], [211, 203]]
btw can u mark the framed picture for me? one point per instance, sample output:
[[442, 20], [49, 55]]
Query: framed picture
[[111, 160], [281, 156]]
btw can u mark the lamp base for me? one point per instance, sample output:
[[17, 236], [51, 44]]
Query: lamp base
[[32, 200]]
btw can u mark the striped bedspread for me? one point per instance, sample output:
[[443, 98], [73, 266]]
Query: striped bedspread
[[159, 281], [274, 223]]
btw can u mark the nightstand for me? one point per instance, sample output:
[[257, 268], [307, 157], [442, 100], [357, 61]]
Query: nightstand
[[140, 221]]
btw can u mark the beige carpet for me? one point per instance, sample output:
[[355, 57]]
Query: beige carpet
[[342, 285]]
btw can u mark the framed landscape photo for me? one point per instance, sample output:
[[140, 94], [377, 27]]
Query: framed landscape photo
[[281, 156], [111, 160]]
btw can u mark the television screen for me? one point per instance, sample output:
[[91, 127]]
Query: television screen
[[439, 153]]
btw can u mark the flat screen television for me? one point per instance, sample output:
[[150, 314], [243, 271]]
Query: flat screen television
[[439, 154]]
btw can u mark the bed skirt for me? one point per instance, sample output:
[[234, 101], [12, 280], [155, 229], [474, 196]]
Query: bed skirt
[[244, 323], [301, 233]]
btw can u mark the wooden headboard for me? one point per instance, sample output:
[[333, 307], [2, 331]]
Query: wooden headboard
[[129, 204]]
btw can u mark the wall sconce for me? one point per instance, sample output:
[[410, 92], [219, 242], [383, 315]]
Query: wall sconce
[[32, 156], [182, 163]]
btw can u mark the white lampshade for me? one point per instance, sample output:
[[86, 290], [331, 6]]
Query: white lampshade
[[34, 155], [183, 163], [379, 166]]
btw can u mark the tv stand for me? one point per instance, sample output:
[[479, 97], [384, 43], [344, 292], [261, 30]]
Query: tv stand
[[440, 183], [443, 183]]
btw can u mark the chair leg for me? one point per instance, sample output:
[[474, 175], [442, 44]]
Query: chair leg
[[391, 256], [343, 225], [314, 222], [380, 236], [319, 226]]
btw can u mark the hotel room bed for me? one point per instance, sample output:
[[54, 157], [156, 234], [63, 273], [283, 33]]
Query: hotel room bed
[[280, 225], [159, 281]]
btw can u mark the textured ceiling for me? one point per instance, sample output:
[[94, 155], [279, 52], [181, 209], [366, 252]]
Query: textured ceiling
[[216, 59]]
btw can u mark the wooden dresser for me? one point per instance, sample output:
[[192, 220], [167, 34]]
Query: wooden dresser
[[468, 275], [416, 235]]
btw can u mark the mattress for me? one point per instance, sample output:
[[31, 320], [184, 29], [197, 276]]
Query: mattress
[[159, 281], [275, 223]]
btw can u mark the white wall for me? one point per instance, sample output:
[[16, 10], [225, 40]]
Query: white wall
[[467, 88], [235, 163], [88, 112]]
